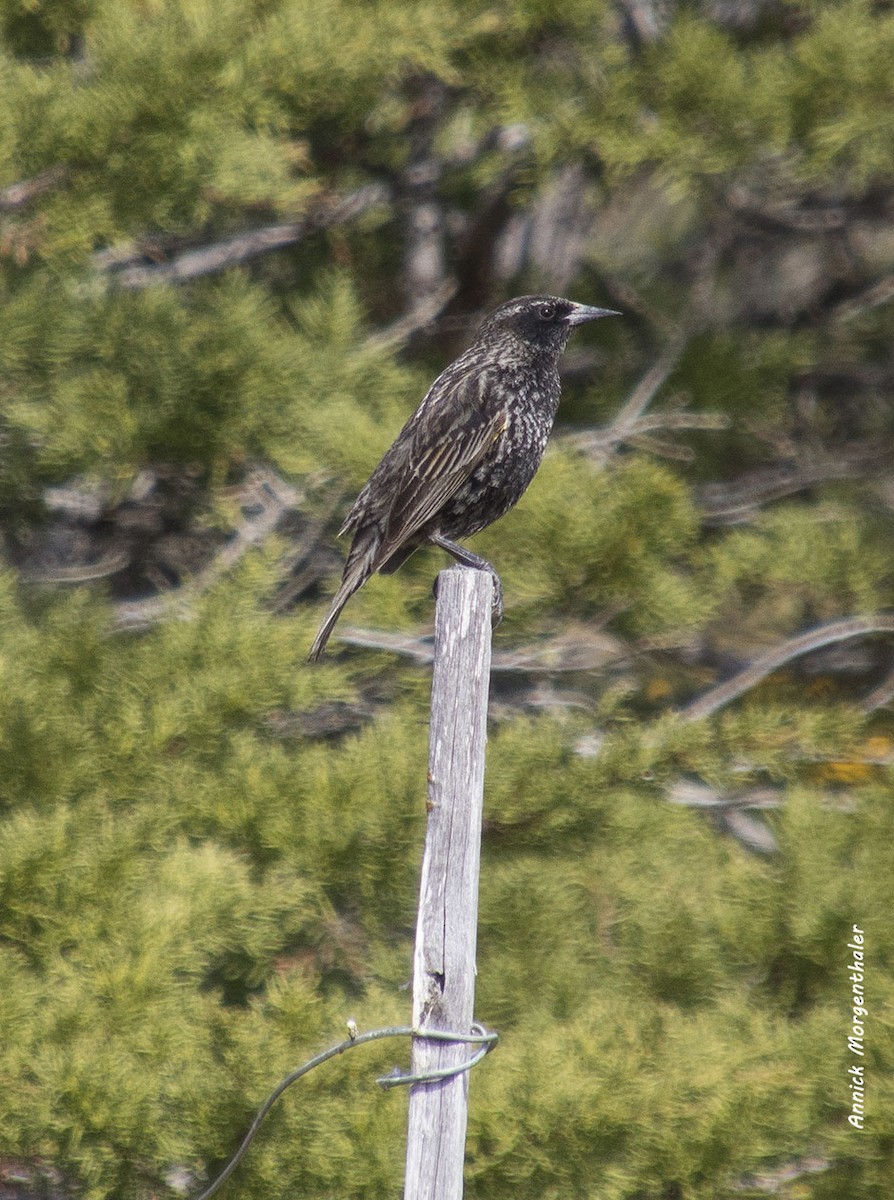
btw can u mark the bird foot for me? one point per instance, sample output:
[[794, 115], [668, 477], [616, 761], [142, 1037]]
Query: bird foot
[[496, 605]]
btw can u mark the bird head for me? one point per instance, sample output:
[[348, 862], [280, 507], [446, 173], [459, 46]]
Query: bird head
[[541, 322]]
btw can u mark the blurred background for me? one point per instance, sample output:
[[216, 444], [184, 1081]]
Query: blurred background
[[238, 239]]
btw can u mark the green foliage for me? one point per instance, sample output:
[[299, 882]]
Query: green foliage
[[839, 113], [655, 1095], [604, 541], [205, 379], [198, 887], [806, 560]]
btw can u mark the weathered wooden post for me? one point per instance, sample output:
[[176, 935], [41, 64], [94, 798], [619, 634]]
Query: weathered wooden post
[[446, 931]]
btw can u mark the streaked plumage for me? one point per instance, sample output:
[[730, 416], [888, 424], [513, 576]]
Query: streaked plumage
[[469, 451]]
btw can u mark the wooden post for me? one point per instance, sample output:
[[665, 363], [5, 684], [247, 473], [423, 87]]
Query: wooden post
[[446, 931]]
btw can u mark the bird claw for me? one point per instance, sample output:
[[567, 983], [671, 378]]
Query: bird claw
[[496, 604]]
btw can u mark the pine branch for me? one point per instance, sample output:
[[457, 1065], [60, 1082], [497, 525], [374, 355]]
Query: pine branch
[[245, 246], [399, 332], [108, 564], [577, 650], [873, 297], [649, 386], [701, 795], [17, 195], [269, 498], [825, 635], [599, 443], [736, 501], [631, 426]]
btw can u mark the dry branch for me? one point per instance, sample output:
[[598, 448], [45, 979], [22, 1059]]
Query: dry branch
[[18, 195], [755, 672], [244, 246]]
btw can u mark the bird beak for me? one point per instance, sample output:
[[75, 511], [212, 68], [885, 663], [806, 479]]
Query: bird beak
[[581, 313]]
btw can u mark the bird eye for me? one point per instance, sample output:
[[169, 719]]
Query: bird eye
[[546, 312]]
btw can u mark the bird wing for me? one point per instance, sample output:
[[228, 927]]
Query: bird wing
[[440, 472], [437, 452]]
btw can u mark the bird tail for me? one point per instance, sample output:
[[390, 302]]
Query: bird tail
[[342, 596], [360, 565]]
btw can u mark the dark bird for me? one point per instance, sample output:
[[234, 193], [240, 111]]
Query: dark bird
[[470, 449]]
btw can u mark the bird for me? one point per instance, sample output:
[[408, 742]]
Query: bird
[[468, 452]]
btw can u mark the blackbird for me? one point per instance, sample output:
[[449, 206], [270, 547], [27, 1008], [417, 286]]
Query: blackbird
[[470, 449]]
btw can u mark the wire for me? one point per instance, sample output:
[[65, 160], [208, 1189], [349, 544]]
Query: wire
[[478, 1036]]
